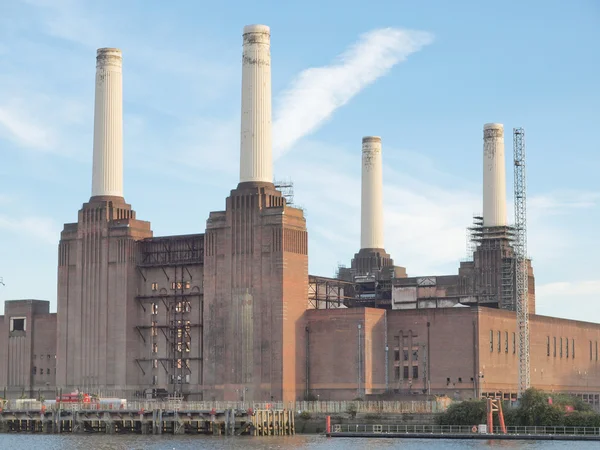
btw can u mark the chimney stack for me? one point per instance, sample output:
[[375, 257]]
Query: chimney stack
[[494, 176], [107, 175], [371, 233], [256, 160]]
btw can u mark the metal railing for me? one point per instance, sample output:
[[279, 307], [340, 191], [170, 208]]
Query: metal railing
[[462, 429]]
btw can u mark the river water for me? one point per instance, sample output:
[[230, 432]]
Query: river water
[[312, 442]]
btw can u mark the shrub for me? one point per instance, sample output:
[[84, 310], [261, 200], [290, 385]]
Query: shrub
[[471, 412], [305, 415], [352, 410]]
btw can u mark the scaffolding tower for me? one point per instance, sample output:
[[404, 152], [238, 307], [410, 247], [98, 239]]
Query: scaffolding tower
[[287, 190], [521, 266]]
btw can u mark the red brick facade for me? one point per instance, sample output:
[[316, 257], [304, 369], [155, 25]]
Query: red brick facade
[[255, 297]]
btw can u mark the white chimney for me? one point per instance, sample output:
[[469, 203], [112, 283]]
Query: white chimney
[[256, 161], [371, 232], [494, 176], [107, 175]]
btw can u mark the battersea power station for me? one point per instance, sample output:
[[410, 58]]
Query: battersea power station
[[231, 313]]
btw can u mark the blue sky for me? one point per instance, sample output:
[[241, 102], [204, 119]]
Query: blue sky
[[425, 76]]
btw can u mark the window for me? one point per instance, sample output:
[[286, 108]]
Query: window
[[405, 372], [506, 342], [491, 340], [155, 308], [155, 379], [155, 364], [415, 373], [187, 306], [573, 348], [596, 350], [561, 347], [459, 379], [397, 373], [415, 355], [48, 356], [405, 354], [567, 347], [396, 355], [34, 370], [514, 342], [548, 346], [41, 371], [591, 351], [48, 371], [155, 286], [17, 324], [499, 341], [155, 348], [554, 346]]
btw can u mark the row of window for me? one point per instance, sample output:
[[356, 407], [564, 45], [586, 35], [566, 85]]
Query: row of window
[[406, 372], [415, 354], [183, 306], [34, 371], [42, 356], [560, 347], [506, 342], [175, 285], [176, 346], [173, 379]]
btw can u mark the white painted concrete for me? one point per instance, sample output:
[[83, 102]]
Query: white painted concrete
[[371, 230], [107, 175], [256, 154], [494, 176]]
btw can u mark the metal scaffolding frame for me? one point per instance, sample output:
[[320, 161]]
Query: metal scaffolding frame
[[173, 255], [328, 293], [521, 266]]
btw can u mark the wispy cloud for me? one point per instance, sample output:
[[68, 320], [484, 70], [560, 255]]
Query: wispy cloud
[[44, 229], [425, 224], [17, 125], [563, 202], [569, 288], [570, 299], [317, 92]]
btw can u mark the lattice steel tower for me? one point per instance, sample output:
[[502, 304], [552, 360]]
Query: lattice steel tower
[[521, 266]]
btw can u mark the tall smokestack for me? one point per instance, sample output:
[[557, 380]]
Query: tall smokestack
[[371, 233], [494, 176], [107, 175], [256, 160]]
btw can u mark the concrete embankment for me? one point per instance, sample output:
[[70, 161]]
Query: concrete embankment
[[314, 423]]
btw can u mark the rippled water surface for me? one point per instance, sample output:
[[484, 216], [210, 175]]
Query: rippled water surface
[[130, 442]]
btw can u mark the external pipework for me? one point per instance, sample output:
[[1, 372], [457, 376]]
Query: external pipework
[[494, 176], [107, 174], [256, 160], [371, 230]]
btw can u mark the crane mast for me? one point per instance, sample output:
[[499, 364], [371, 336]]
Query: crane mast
[[521, 266]]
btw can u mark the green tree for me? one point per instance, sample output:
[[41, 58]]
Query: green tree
[[471, 412]]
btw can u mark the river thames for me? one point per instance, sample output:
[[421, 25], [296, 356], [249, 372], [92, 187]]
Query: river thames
[[313, 442]]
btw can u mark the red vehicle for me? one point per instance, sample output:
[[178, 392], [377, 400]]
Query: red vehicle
[[74, 397]]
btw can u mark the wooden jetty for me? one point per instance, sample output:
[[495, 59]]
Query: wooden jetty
[[227, 422]]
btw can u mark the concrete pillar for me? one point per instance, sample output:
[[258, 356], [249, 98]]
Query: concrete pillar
[[371, 230], [256, 160], [494, 176], [107, 175]]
